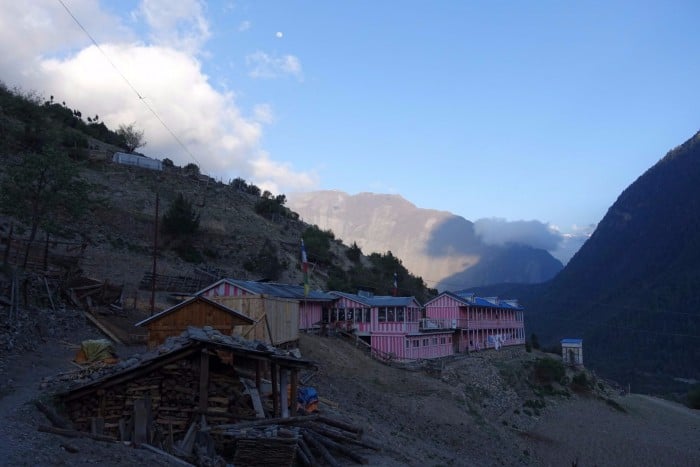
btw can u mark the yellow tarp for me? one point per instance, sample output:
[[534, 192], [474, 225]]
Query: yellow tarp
[[97, 350]]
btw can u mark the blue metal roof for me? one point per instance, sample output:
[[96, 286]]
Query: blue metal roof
[[377, 300], [469, 298], [278, 290], [571, 341]]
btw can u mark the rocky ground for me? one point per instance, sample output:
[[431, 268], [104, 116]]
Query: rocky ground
[[475, 410]]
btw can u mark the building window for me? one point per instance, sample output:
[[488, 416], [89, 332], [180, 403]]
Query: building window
[[416, 342], [391, 314], [408, 344], [400, 315], [325, 315], [442, 340], [341, 315], [449, 339], [425, 342], [434, 340], [381, 316]]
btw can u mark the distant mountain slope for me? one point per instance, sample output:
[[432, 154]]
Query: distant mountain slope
[[633, 290], [436, 245]]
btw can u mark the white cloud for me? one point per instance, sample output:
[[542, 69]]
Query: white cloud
[[62, 62], [496, 231], [178, 24], [279, 177], [244, 26], [263, 113], [32, 30], [266, 66]]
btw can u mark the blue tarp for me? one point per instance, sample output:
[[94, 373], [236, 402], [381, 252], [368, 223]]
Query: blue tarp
[[307, 395]]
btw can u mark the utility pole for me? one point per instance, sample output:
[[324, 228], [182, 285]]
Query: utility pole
[[155, 256]]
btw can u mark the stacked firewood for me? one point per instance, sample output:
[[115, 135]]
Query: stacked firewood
[[310, 439], [172, 395], [178, 396]]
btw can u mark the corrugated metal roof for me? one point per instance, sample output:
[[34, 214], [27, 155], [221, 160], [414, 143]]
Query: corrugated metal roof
[[278, 290], [377, 300], [469, 298]]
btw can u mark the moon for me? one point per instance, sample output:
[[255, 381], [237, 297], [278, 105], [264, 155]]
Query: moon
[[279, 34]]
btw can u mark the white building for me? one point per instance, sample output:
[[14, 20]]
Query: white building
[[138, 160], [572, 351]]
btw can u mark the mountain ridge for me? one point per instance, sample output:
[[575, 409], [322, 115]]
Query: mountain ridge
[[439, 246]]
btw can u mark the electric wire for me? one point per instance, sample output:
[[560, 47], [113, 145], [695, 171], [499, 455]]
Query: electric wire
[[133, 88]]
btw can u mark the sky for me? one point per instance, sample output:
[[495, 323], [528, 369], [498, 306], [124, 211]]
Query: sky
[[513, 114]]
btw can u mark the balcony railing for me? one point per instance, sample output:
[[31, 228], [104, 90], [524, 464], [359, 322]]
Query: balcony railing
[[431, 324]]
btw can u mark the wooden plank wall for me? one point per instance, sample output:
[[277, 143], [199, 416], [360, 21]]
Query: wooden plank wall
[[282, 317], [196, 314]]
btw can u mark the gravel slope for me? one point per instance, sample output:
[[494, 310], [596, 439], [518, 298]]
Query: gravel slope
[[653, 432]]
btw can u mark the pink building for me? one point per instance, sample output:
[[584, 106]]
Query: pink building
[[310, 305], [478, 323], [392, 326]]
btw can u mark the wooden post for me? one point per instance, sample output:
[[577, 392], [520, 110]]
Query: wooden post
[[275, 390], [284, 395], [203, 380], [140, 422], [155, 256], [258, 375], [46, 253], [295, 391], [6, 257]]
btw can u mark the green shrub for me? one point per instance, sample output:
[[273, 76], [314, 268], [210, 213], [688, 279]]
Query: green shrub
[[189, 253], [581, 380], [180, 220], [548, 370]]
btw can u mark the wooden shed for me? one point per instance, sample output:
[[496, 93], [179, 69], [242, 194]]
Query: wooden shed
[[274, 320], [199, 379], [197, 311]]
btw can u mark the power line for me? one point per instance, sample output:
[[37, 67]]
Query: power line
[[126, 80]]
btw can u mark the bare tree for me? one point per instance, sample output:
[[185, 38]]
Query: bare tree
[[132, 136]]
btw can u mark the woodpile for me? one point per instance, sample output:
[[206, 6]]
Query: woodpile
[[204, 398], [94, 295], [310, 440]]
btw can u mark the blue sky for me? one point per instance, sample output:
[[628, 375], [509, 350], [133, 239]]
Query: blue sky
[[516, 110]]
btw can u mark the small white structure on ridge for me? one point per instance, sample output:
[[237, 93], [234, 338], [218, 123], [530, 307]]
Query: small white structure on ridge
[[572, 351]]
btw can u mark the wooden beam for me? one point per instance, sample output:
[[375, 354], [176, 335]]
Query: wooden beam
[[267, 421], [170, 457], [75, 433], [140, 422], [284, 394], [203, 380], [254, 396], [294, 396], [275, 390], [258, 375], [99, 325]]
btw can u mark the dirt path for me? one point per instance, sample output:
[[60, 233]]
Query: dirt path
[[20, 442]]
